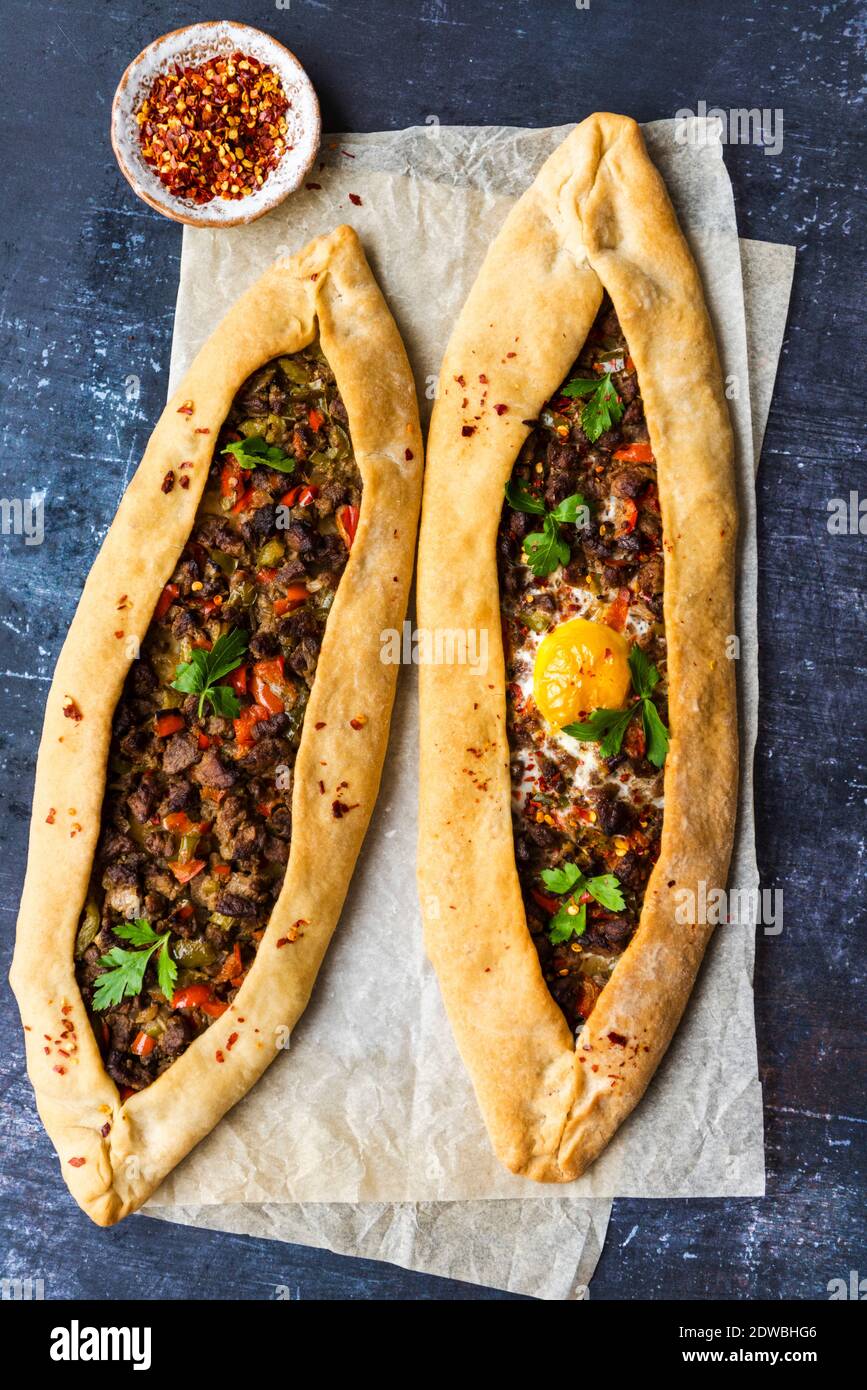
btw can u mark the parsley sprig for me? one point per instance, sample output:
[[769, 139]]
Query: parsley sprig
[[124, 975], [545, 549], [607, 726], [256, 451], [602, 408], [200, 674], [571, 919]]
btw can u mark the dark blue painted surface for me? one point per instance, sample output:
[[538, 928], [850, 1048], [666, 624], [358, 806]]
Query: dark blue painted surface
[[89, 279]]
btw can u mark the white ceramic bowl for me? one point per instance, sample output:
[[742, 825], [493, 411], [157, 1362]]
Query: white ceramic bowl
[[189, 47]]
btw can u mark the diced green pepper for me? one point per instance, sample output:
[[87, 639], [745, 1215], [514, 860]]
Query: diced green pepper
[[89, 929]]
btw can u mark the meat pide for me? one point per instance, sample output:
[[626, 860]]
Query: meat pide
[[216, 727], [579, 500]]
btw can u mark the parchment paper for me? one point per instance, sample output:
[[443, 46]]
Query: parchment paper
[[373, 1145]]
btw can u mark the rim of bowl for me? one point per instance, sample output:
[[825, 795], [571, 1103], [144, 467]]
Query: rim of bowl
[[200, 39]]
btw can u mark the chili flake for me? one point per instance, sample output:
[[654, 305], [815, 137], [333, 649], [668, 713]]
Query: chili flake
[[216, 130]]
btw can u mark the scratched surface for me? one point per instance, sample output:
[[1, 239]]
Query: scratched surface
[[88, 285]]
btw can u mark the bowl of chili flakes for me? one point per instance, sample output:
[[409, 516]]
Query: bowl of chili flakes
[[215, 124]]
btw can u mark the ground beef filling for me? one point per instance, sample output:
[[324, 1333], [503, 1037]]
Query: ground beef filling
[[196, 820], [569, 804]]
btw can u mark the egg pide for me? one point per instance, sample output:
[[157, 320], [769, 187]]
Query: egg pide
[[579, 508]]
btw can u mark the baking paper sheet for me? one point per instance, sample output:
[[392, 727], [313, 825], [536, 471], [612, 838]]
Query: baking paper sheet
[[373, 1144]]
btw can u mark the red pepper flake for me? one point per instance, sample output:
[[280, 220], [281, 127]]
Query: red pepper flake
[[320, 725], [49, 819], [202, 429], [67, 1008], [618, 1039], [501, 409], [184, 482], [511, 354], [339, 809], [483, 379], [358, 722], [408, 455], [186, 409], [313, 186], [71, 710], [467, 430], [231, 1040], [119, 633], [216, 130], [293, 933], [460, 380], [168, 482], [122, 602], [321, 788], [219, 1056], [106, 1129], [354, 198], [77, 1162], [187, 463]]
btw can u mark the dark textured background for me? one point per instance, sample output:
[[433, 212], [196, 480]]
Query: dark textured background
[[89, 278]]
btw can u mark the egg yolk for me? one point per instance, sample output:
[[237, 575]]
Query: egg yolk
[[580, 666]]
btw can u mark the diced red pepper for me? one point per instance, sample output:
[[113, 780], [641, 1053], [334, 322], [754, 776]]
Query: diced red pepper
[[315, 419], [203, 740], [169, 724], [347, 524], [185, 912], [243, 502], [253, 714], [180, 823], [295, 595], [290, 498], [265, 576], [192, 997], [143, 1045], [617, 611], [233, 965], [635, 453], [184, 872], [222, 870], [165, 601], [630, 516], [266, 675], [307, 494], [237, 679], [548, 904], [214, 1007]]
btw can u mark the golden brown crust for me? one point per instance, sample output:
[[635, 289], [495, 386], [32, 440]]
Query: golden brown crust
[[597, 218], [114, 1155]]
